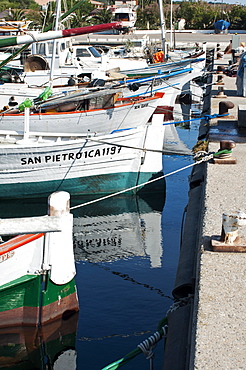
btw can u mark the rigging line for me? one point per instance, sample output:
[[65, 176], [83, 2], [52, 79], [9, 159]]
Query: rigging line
[[127, 146], [181, 89], [199, 118], [177, 113], [133, 187], [206, 158], [165, 110], [70, 167]]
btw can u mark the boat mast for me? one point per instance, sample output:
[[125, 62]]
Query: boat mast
[[163, 28], [58, 11]]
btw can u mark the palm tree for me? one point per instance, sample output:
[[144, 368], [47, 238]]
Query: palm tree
[[16, 15], [102, 15]]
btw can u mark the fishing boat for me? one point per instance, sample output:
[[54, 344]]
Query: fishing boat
[[37, 266], [58, 43], [36, 164], [167, 67], [171, 83], [83, 62], [101, 111], [127, 14], [143, 82], [13, 28]]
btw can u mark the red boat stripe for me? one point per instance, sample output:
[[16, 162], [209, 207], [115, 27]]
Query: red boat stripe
[[18, 241]]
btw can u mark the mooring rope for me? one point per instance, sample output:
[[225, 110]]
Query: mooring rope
[[206, 117], [145, 347], [199, 155]]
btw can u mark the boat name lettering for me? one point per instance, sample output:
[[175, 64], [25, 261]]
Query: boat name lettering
[[71, 156], [6, 256], [141, 105]]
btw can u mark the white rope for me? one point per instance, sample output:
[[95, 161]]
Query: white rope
[[202, 155], [32, 36], [149, 344], [132, 188], [181, 302], [143, 184]]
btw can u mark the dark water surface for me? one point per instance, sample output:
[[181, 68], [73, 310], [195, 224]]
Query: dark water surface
[[127, 254], [127, 251]]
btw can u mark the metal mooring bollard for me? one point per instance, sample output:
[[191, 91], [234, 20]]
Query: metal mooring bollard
[[225, 158], [229, 240], [219, 80], [221, 93], [224, 106], [220, 69]]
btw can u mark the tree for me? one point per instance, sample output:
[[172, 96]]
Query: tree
[[148, 17], [17, 15], [197, 15], [238, 17], [102, 15], [21, 4], [82, 15]]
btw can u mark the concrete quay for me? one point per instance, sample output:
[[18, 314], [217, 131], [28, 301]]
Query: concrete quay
[[207, 329], [218, 339]]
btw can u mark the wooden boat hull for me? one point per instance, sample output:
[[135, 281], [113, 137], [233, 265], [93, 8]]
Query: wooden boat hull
[[97, 165], [20, 302], [37, 283], [126, 114]]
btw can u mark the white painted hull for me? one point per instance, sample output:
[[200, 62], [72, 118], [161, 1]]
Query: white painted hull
[[121, 116], [82, 166], [28, 260], [22, 91]]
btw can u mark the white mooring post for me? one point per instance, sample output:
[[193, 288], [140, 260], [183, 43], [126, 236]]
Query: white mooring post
[[60, 254], [26, 124]]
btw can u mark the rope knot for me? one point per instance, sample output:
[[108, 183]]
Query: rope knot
[[149, 344]]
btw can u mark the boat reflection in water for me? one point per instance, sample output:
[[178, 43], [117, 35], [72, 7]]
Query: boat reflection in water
[[51, 346], [118, 228]]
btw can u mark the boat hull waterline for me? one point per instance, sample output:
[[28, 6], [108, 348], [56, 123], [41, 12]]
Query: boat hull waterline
[[82, 166]]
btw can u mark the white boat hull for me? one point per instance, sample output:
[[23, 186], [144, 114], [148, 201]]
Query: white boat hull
[[100, 165], [126, 115]]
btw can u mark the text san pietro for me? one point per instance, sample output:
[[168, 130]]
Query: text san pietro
[[71, 156]]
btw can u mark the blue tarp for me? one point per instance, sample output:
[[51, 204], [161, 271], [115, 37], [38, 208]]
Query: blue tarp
[[221, 25], [240, 75]]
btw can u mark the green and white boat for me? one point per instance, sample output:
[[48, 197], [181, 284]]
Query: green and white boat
[[37, 267]]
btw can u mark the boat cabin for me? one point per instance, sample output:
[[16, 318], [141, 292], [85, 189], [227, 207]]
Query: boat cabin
[[126, 16]]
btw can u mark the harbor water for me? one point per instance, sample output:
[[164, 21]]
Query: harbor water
[[127, 251]]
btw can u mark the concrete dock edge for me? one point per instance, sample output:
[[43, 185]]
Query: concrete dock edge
[[214, 335]]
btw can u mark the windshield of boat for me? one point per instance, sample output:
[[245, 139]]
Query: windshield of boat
[[122, 17], [45, 48], [83, 52]]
